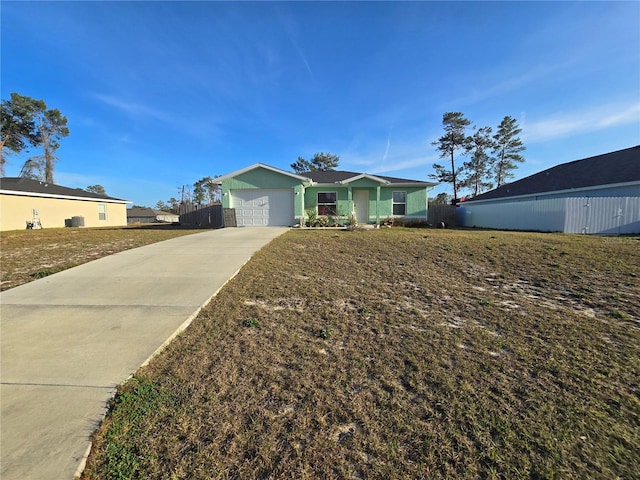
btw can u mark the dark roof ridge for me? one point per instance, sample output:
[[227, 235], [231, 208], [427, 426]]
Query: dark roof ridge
[[30, 185], [148, 210], [592, 157], [615, 167], [336, 176]]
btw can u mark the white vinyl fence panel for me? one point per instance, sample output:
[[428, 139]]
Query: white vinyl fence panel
[[603, 215], [542, 215], [588, 215]]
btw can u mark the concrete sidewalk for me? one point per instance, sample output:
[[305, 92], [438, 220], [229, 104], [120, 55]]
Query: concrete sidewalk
[[70, 339]]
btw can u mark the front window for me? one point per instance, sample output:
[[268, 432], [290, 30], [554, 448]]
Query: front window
[[399, 203], [327, 203], [102, 211]]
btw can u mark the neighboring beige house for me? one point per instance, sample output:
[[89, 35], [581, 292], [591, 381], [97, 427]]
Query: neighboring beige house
[[31, 203]]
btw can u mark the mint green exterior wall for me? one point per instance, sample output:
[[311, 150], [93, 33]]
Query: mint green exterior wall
[[345, 205], [259, 178], [263, 178], [364, 183], [416, 199], [306, 197]]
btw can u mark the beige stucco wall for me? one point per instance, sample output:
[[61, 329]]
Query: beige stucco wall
[[15, 210]]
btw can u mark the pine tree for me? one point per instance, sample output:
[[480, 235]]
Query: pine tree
[[454, 139], [320, 162], [26, 120], [507, 150], [478, 167]]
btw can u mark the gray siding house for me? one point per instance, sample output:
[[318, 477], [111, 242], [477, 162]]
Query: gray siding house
[[595, 195]]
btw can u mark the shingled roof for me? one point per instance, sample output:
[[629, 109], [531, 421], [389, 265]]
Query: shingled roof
[[146, 212], [621, 166], [25, 186], [337, 176]]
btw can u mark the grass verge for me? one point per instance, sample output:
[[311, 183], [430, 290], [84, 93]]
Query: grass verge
[[397, 354]]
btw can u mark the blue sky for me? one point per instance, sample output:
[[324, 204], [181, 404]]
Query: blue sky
[[161, 94]]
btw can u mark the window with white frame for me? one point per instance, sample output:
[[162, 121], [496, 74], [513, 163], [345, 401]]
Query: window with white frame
[[102, 211], [327, 203], [399, 203]]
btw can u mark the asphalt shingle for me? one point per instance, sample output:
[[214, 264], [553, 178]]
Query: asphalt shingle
[[606, 169], [334, 176], [19, 184]]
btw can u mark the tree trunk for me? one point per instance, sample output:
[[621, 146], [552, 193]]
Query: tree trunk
[[453, 177], [48, 166], [500, 167], [1, 157], [48, 154]]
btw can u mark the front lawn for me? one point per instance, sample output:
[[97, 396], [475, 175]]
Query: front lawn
[[26, 255], [394, 354]]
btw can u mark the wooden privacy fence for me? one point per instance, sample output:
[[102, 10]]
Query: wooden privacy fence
[[207, 216], [442, 213]]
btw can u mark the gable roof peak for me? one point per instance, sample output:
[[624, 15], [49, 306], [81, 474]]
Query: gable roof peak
[[345, 176], [255, 166]]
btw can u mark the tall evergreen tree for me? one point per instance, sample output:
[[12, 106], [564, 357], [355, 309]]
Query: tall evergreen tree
[[443, 198], [32, 169], [31, 122], [52, 126], [17, 128], [320, 162], [478, 166], [206, 190], [454, 139], [507, 150], [97, 189]]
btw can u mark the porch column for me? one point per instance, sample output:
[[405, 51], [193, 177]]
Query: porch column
[[350, 199], [302, 213], [377, 205]]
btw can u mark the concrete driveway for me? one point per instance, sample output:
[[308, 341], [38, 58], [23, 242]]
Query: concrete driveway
[[68, 340]]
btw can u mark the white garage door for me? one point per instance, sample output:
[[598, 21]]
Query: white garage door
[[263, 207]]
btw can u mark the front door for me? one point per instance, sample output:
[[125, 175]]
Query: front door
[[361, 205]]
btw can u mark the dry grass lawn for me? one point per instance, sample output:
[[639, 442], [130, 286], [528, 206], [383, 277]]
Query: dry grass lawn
[[397, 354], [26, 255]]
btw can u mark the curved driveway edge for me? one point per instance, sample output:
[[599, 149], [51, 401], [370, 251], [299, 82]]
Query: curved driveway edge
[[68, 340]]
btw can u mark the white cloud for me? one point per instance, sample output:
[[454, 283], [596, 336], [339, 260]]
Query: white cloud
[[501, 81], [386, 150], [566, 124], [388, 158], [76, 180], [132, 108], [205, 126], [302, 56], [399, 164], [290, 27]]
